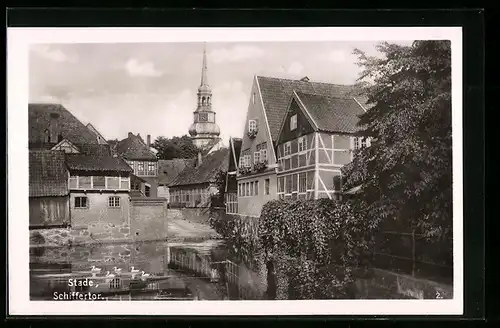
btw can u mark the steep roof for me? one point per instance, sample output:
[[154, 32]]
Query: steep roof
[[68, 125], [169, 169], [204, 173], [276, 93], [48, 175], [134, 148], [97, 133], [78, 162], [332, 114], [94, 149]]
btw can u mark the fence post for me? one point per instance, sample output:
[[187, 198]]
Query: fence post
[[413, 253]]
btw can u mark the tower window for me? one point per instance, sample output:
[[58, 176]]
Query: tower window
[[252, 125], [203, 117], [253, 98], [203, 99]]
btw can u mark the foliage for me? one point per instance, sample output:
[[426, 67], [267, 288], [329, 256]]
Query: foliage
[[322, 241], [244, 170], [176, 147], [260, 166], [241, 235], [406, 173], [220, 181], [252, 134]]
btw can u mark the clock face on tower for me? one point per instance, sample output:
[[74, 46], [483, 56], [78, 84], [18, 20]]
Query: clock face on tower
[[203, 117]]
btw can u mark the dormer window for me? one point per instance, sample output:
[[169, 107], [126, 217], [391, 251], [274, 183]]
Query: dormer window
[[293, 122]]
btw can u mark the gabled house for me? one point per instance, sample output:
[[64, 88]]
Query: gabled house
[[316, 138], [74, 178], [99, 189], [231, 191], [168, 170], [48, 189], [269, 100], [195, 185], [143, 162]]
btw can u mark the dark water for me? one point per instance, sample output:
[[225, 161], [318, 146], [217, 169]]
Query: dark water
[[145, 271]]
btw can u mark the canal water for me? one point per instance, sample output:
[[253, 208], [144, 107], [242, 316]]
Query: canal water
[[207, 270]]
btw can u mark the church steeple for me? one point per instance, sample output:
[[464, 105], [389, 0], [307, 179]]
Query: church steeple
[[204, 130], [204, 80]]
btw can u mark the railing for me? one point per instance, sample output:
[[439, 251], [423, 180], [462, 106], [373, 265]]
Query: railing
[[98, 183], [414, 254]]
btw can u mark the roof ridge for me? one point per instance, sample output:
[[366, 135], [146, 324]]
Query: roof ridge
[[306, 82], [316, 94]]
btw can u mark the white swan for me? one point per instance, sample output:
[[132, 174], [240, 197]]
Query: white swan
[[133, 270], [145, 274], [109, 275], [94, 269]]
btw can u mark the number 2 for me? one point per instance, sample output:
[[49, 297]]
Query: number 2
[[438, 295]]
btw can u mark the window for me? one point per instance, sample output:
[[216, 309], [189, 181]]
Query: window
[[256, 188], [288, 184], [242, 161], [253, 98], [363, 142], [73, 182], [114, 201], [356, 143], [287, 148], [81, 202], [147, 191], [252, 126], [125, 183], [248, 160], [151, 168], [263, 155], [302, 182], [256, 157], [266, 190], [281, 183], [302, 144], [247, 187], [295, 182], [140, 168], [293, 122], [113, 183], [99, 182], [84, 182]]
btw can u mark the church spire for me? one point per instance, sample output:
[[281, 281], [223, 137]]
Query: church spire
[[204, 80]]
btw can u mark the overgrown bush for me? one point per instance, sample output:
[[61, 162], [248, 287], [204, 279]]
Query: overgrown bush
[[322, 242]]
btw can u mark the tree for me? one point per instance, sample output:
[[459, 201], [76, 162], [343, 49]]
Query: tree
[[407, 171], [176, 147]]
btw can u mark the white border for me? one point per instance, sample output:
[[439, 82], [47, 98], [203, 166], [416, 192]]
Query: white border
[[17, 56]]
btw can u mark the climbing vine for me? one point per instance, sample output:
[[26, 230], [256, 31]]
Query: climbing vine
[[320, 243]]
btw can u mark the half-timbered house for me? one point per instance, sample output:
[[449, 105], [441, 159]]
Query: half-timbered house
[[231, 191], [316, 138], [269, 100]]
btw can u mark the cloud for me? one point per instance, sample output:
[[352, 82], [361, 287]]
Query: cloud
[[295, 68], [53, 54], [136, 68], [337, 56], [235, 54]]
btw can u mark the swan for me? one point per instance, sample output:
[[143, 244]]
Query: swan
[[133, 270], [145, 274], [94, 269], [109, 275]]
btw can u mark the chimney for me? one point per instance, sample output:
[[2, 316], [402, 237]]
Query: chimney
[[130, 134], [54, 127], [200, 159], [148, 138]]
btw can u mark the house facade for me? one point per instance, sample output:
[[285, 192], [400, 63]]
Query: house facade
[[196, 184], [142, 161], [258, 162], [99, 189], [168, 170], [317, 137]]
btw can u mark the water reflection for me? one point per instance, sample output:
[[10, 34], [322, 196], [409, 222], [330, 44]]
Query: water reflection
[[145, 271]]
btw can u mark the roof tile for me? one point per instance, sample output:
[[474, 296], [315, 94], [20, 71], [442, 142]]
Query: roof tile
[[48, 175]]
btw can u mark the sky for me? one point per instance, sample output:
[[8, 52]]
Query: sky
[[150, 88]]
